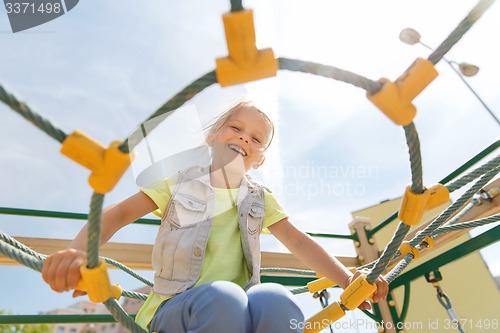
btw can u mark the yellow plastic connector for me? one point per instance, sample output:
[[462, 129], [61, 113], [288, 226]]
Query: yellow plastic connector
[[429, 241], [323, 318], [414, 205], [95, 282], [357, 292], [245, 62], [323, 283], [395, 98], [320, 284], [406, 248], [107, 164]]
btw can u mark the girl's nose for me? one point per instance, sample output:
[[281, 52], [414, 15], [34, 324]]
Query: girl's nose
[[241, 138]]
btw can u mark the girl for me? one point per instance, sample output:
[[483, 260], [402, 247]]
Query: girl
[[206, 255]]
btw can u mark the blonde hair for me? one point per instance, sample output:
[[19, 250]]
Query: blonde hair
[[215, 127]]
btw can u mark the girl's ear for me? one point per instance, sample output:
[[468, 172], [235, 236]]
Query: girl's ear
[[256, 165]]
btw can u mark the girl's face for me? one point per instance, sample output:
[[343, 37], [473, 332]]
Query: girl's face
[[242, 139]]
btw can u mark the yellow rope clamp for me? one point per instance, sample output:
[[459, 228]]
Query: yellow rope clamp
[[356, 293], [395, 98], [107, 164], [429, 241], [414, 205], [406, 248], [95, 282], [245, 62], [323, 282]]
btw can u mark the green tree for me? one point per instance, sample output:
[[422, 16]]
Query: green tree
[[24, 328]]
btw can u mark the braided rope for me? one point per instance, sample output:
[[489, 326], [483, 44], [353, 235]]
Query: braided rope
[[413, 143], [24, 110], [21, 257], [466, 225], [236, 5], [403, 264], [128, 271], [462, 212], [399, 268], [445, 215], [299, 290], [460, 30], [389, 252], [466, 179], [329, 72], [14, 250], [120, 315], [174, 103], [18, 245], [133, 294], [94, 230]]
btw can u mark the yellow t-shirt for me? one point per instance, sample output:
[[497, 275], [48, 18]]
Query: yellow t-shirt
[[224, 258]]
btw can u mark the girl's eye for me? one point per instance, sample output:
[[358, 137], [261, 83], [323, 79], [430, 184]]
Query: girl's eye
[[236, 128], [256, 140]]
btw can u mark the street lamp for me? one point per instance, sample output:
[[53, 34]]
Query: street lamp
[[411, 36]]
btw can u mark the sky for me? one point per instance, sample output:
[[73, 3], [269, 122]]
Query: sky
[[104, 69]]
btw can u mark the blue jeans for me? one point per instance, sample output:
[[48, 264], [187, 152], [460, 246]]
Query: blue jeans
[[222, 306]]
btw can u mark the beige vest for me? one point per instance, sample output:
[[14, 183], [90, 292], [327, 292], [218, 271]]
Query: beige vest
[[183, 234]]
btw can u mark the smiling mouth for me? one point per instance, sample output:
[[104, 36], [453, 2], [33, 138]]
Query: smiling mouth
[[238, 150]]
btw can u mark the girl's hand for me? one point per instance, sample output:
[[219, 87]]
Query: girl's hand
[[61, 270], [380, 293]]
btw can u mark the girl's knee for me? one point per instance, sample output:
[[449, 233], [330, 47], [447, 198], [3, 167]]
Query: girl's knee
[[272, 296], [226, 295]]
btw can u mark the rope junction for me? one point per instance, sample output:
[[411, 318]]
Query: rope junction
[[418, 194]]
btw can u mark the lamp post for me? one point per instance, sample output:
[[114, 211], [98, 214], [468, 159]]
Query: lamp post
[[412, 37]]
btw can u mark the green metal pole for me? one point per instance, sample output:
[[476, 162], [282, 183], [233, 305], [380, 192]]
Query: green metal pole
[[57, 319]]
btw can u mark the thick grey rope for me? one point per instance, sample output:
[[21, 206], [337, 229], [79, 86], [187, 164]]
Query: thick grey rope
[[417, 187], [430, 229], [330, 72], [413, 143], [133, 294], [445, 215], [21, 257], [24, 110], [94, 230], [389, 252], [460, 30], [299, 290], [34, 260], [462, 212], [174, 103], [466, 225], [128, 271], [236, 5], [18, 245], [120, 315], [401, 266], [481, 170]]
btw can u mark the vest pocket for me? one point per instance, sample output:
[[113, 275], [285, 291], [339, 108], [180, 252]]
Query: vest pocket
[[187, 211], [255, 218]]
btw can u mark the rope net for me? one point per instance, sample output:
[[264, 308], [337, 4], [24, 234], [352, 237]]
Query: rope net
[[444, 223]]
